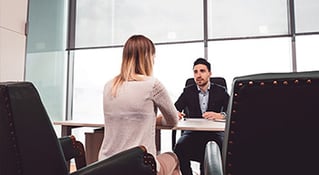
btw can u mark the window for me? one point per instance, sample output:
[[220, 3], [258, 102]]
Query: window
[[234, 58], [93, 68], [178, 30], [46, 58], [307, 52], [247, 18], [306, 12], [105, 23]]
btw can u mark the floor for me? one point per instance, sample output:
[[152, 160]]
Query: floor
[[72, 167]]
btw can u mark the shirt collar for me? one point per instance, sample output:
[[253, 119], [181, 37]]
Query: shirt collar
[[207, 88]]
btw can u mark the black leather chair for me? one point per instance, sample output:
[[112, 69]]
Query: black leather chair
[[29, 145], [190, 81], [272, 126], [73, 149]]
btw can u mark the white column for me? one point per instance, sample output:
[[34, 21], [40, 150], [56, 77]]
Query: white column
[[13, 16]]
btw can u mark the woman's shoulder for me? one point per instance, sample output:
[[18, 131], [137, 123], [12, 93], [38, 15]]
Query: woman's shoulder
[[152, 80], [157, 83], [108, 83]]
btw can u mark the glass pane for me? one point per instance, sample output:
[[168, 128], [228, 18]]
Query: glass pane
[[46, 59], [92, 69], [104, 23], [174, 65], [307, 12], [47, 71], [47, 26], [243, 18], [230, 59], [307, 53]]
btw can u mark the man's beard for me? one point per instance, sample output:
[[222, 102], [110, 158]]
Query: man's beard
[[201, 83]]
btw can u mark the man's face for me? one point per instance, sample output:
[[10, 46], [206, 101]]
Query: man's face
[[201, 74]]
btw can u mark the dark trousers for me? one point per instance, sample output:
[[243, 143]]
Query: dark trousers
[[191, 147]]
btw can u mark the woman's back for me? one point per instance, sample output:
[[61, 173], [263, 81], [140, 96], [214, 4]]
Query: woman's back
[[130, 117]]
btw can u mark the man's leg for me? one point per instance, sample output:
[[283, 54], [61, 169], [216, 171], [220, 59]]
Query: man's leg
[[189, 147], [183, 149]]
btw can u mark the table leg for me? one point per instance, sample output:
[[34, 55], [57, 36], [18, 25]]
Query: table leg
[[66, 130], [158, 140]]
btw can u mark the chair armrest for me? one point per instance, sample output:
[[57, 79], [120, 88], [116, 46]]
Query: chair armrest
[[73, 148], [212, 159], [132, 161]]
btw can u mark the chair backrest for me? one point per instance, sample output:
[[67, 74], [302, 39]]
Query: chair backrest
[[28, 142], [135, 160], [273, 125], [217, 80]]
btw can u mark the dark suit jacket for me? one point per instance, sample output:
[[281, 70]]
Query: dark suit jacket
[[188, 101]]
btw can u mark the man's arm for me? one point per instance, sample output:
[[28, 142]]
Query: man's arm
[[181, 102], [217, 110]]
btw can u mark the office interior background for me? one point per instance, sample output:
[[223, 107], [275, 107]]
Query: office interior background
[[70, 48]]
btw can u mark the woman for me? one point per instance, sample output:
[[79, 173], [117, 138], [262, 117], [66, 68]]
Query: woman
[[130, 103]]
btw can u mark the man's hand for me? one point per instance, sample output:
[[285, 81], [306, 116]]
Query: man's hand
[[213, 115], [180, 115]]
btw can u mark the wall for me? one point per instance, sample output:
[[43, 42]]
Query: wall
[[13, 16]]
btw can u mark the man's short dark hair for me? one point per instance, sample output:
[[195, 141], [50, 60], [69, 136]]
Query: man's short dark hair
[[202, 61]]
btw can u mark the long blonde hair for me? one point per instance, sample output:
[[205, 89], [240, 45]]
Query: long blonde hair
[[137, 59]]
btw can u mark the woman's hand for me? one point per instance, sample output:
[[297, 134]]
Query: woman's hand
[[159, 119]]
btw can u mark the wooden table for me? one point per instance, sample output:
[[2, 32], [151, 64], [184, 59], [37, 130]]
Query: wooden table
[[193, 124], [67, 126], [196, 124]]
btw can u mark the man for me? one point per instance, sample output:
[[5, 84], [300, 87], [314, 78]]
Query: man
[[201, 100]]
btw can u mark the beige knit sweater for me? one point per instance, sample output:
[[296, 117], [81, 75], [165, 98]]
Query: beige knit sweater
[[130, 117]]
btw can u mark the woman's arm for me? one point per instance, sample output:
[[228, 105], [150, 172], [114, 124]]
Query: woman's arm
[[162, 100]]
